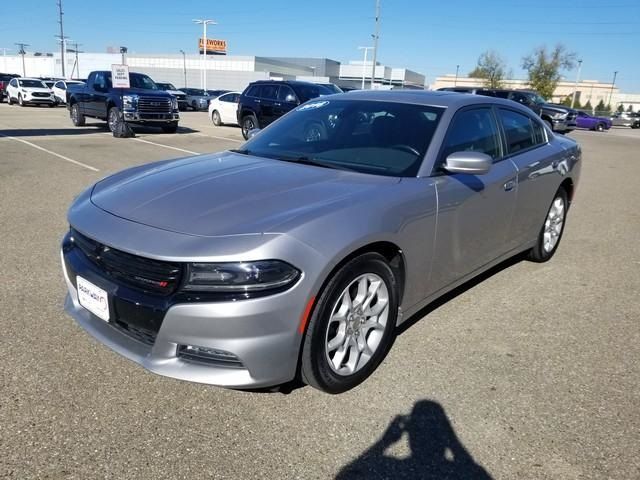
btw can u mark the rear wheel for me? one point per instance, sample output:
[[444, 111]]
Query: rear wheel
[[249, 122], [352, 325], [77, 117], [552, 229], [9, 101], [170, 128], [215, 118]]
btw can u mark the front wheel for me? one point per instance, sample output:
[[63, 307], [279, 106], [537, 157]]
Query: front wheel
[[552, 229], [352, 325], [170, 128], [21, 100], [600, 127], [77, 117], [113, 117]]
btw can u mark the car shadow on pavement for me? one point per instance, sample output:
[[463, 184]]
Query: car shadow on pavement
[[436, 450], [45, 132]]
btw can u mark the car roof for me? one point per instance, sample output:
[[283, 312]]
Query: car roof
[[425, 97], [30, 78]]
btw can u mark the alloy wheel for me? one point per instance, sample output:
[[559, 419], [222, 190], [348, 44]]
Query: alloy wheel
[[357, 324], [553, 224]]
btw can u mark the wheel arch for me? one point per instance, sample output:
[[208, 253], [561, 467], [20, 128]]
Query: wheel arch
[[569, 187]]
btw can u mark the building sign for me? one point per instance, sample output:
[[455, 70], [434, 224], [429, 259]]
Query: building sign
[[120, 76], [214, 47]]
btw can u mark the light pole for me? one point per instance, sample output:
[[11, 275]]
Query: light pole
[[22, 53], [62, 38], [575, 87], [76, 66], [123, 51], [184, 67], [375, 43], [455, 81], [204, 23], [4, 57], [364, 63], [615, 74]]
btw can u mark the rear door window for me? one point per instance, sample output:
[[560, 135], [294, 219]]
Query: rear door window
[[269, 92], [285, 93]]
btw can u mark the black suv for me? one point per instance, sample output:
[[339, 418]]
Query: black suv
[[264, 101], [558, 117]]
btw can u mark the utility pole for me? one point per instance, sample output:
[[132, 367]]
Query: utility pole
[[455, 82], [375, 43], [184, 67], [123, 51], [575, 87], [615, 74], [22, 52], [61, 36], [204, 24], [364, 64], [76, 65]]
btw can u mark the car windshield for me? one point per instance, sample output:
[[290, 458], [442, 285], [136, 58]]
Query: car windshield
[[166, 86], [137, 80], [307, 92], [196, 92], [537, 99], [331, 88], [382, 138], [32, 84]]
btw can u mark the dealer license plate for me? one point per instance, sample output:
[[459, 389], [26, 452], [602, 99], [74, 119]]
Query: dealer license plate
[[93, 298]]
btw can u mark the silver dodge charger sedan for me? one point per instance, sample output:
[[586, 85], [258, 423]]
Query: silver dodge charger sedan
[[298, 255]]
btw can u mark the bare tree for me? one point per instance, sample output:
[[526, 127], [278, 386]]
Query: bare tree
[[491, 68], [545, 66]]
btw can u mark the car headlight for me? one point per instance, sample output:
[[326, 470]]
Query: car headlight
[[174, 103], [240, 276], [129, 101], [559, 115]]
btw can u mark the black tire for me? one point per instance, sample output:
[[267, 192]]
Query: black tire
[[315, 367], [600, 127], [20, 100], [51, 105], [314, 132], [9, 101], [194, 106], [215, 118], [538, 253], [76, 115], [113, 117], [249, 122], [170, 128]]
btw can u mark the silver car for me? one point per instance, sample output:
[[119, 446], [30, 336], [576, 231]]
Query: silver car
[[299, 254]]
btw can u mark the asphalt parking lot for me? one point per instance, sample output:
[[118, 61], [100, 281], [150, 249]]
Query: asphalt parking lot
[[531, 373]]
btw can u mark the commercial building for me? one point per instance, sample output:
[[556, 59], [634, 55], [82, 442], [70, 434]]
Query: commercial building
[[223, 72], [591, 91]]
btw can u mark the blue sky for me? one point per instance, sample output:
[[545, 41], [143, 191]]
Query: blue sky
[[430, 36]]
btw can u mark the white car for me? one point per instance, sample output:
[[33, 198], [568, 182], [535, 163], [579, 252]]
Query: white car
[[223, 109], [60, 89], [26, 91]]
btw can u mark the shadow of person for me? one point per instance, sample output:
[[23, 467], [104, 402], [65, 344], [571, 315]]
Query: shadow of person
[[436, 451]]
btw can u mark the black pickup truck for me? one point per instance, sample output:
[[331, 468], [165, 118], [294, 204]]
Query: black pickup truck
[[142, 104]]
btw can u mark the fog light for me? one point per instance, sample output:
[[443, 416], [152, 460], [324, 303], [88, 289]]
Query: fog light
[[208, 355]]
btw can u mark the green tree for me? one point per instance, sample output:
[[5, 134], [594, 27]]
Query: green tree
[[491, 68], [621, 108], [566, 101], [602, 108], [544, 67], [630, 108], [588, 106]]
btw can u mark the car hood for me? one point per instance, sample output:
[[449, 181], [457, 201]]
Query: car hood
[[556, 108], [231, 194], [36, 89], [143, 92]]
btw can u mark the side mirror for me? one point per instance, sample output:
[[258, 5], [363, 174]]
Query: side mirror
[[471, 163], [97, 87], [252, 133], [291, 99]]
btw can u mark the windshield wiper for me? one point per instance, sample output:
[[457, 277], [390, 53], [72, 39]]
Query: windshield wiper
[[304, 160]]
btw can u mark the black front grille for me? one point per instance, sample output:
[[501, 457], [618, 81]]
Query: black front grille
[[41, 94], [148, 337], [147, 275], [154, 105]]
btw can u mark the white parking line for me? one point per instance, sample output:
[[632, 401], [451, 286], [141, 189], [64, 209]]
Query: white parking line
[[62, 157], [165, 146]]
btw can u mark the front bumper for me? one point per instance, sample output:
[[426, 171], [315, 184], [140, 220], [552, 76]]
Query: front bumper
[[262, 333], [151, 117], [39, 100], [563, 125]]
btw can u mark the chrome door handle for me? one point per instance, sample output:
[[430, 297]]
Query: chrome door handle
[[510, 185]]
